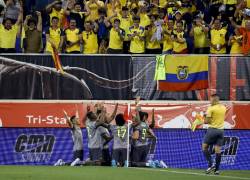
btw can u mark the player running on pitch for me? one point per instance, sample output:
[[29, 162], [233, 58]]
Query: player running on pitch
[[215, 117]]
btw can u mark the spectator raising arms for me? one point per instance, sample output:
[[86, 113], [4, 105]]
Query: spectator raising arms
[[9, 31], [33, 34]]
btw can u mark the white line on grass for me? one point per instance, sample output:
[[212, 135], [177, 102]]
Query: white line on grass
[[193, 173]]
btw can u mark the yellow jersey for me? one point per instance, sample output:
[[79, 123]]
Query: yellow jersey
[[167, 41], [218, 37], [72, 36], [152, 44], [125, 23], [93, 10], [230, 2], [200, 38], [137, 45], [179, 47], [217, 114], [8, 37], [144, 20], [115, 41], [236, 46], [90, 42], [58, 14], [55, 37]]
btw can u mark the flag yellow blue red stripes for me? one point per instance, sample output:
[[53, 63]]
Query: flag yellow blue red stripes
[[185, 73]]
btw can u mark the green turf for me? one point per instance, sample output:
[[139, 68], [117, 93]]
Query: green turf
[[108, 173]]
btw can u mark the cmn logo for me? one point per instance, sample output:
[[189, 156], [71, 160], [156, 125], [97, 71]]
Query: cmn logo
[[229, 148], [35, 143]]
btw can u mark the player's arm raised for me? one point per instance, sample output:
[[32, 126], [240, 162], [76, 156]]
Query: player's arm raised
[[68, 119], [152, 125], [110, 118]]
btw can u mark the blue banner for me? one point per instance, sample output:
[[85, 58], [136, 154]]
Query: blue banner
[[178, 148]]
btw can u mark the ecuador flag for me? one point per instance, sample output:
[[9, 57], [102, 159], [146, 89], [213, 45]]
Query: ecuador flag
[[185, 73]]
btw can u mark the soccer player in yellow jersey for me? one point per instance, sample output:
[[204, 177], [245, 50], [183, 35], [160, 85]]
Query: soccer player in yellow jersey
[[215, 117]]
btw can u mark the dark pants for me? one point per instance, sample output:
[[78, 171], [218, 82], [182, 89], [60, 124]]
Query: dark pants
[[114, 51], [153, 51], [78, 154], [95, 154], [214, 137], [126, 45], [120, 155], [73, 52], [7, 50], [202, 50], [140, 154], [106, 158]]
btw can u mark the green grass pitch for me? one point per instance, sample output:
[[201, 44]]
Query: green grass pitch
[[108, 173]]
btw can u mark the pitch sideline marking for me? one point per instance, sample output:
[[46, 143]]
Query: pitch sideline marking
[[192, 173]]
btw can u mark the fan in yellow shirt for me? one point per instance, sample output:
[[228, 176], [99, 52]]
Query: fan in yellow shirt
[[200, 33], [153, 45], [144, 18], [137, 37], [116, 37], [125, 22], [89, 38], [179, 41], [93, 6], [55, 10], [218, 38], [167, 41], [72, 35], [235, 41], [54, 37], [8, 34]]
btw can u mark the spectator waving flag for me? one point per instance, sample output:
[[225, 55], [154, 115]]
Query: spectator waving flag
[[185, 73], [57, 61]]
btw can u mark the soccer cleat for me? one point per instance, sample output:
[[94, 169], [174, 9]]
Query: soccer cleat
[[216, 172], [163, 165], [113, 163], [126, 163], [75, 162], [152, 164], [58, 163], [210, 169]]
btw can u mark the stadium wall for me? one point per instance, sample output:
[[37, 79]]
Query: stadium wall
[[113, 77], [33, 140]]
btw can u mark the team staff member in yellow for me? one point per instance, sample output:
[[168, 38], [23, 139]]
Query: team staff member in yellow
[[9, 33], [116, 37], [218, 38], [89, 38], [54, 37], [136, 35], [215, 117], [72, 36]]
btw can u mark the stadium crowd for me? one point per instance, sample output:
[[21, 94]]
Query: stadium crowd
[[126, 26]]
